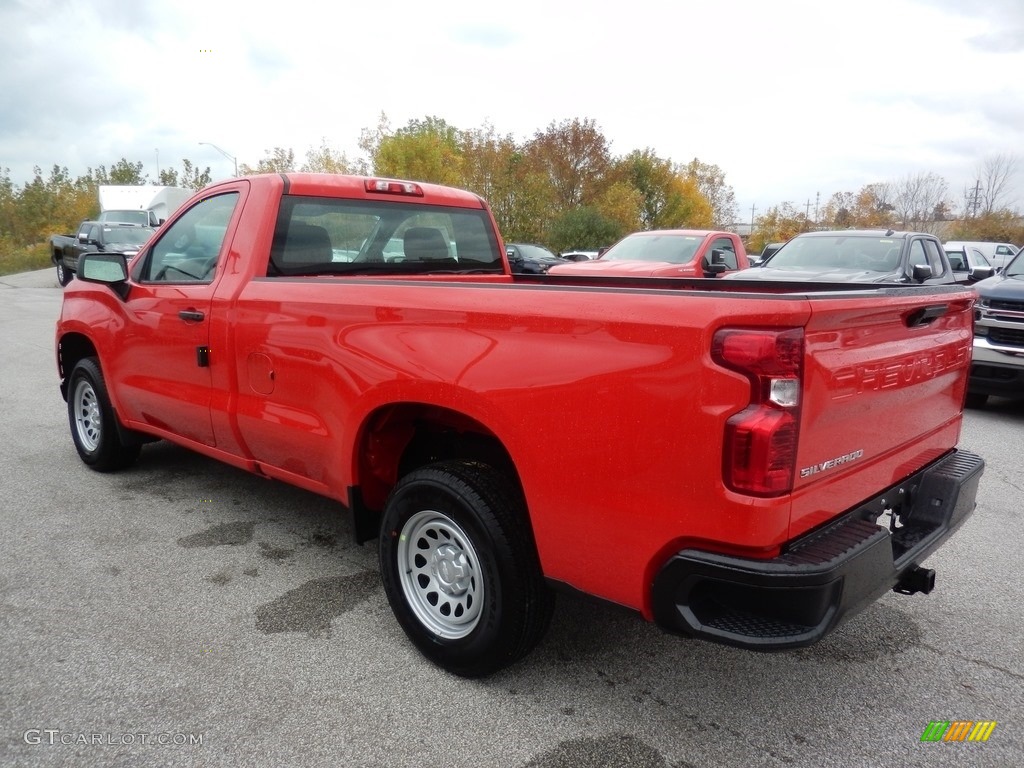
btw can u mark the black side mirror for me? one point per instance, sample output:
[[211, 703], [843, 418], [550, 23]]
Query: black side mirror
[[920, 272], [980, 273]]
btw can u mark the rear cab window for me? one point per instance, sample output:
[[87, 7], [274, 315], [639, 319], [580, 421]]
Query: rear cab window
[[317, 236]]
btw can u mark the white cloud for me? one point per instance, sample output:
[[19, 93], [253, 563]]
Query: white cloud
[[790, 98]]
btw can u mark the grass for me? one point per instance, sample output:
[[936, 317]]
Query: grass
[[25, 259]]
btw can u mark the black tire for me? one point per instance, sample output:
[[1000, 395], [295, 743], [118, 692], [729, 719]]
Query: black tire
[[975, 400], [460, 567], [93, 422], [64, 275]]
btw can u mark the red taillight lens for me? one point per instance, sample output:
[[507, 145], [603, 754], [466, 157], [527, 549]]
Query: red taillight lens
[[390, 187], [759, 456]]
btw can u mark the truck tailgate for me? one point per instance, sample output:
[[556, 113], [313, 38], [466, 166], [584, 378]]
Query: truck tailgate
[[884, 385]]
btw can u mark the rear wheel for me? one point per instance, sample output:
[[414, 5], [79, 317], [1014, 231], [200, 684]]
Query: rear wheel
[[64, 275], [93, 422], [460, 567]]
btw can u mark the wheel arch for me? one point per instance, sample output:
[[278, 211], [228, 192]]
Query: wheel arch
[[71, 348], [397, 438]]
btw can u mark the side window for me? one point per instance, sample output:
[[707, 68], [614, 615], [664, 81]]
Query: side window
[[190, 248], [728, 257], [934, 258], [94, 233], [917, 254]]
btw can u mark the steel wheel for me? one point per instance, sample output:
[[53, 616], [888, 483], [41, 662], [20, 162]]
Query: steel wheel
[[99, 440], [88, 416], [460, 567], [441, 575]]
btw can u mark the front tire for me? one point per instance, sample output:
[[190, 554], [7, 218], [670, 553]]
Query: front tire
[[93, 422], [460, 568]]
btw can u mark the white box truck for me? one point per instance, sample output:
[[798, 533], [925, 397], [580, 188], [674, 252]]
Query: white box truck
[[140, 204]]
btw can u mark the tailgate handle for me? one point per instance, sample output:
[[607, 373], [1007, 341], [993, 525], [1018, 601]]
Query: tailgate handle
[[925, 315]]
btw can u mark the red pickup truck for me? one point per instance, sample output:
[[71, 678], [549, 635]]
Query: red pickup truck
[[666, 253], [752, 462]]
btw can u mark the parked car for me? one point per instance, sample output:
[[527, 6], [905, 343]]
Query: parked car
[[579, 255], [998, 254], [969, 264], [768, 250], [856, 256], [997, 356], [531, 259], [109, 237], [666, 253]]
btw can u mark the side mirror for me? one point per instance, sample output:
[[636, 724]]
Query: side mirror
[[106, 268], [712, 270], [83, 237], [513, 256], [980, 273], [920, 272]]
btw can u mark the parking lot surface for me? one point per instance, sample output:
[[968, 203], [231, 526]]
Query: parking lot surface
[[184, 613]]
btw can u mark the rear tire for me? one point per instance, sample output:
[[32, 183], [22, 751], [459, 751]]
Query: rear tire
[[93, 422], [64, 275], [460, 568]]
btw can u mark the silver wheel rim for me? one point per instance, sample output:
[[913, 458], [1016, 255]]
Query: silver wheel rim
[[440, 574], [60, 272], [88, 419]]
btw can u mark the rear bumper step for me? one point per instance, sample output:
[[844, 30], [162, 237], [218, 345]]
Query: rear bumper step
[[821, 578]]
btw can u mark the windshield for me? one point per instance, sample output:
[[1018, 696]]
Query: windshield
[[128, 217], [127, 235], [872, 254], [1015, 267], [535, 251], [671, 248]]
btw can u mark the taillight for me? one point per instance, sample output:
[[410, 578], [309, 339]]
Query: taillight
[[759, 456], [390, 187]]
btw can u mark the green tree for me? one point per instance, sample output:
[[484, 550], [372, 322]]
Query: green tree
[[583, 228], [575, 157], [324, 159], [710, 181], [778, 224], [276, 160], [193, 178], [427, 150], [125, 173]]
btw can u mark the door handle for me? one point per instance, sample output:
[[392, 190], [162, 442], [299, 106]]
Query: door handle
[[191, 315]]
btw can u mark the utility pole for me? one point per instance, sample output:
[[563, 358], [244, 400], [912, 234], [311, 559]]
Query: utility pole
[[817, 200], [752, 209]]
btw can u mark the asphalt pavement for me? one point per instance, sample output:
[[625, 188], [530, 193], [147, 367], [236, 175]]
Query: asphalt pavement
[[184, 613]]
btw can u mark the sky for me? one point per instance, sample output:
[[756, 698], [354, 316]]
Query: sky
[[793, 99]]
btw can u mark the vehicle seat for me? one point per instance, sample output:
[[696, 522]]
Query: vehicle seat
[[425, 244], [303, 248]]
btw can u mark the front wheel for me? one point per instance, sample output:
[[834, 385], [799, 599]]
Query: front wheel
[[460, 567], [64, 275], [93, 422]]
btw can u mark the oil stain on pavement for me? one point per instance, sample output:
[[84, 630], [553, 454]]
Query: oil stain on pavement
[[311, 607], [611, 751], [229, 534]]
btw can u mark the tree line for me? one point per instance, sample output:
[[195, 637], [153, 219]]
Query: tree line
[[562, 187]]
